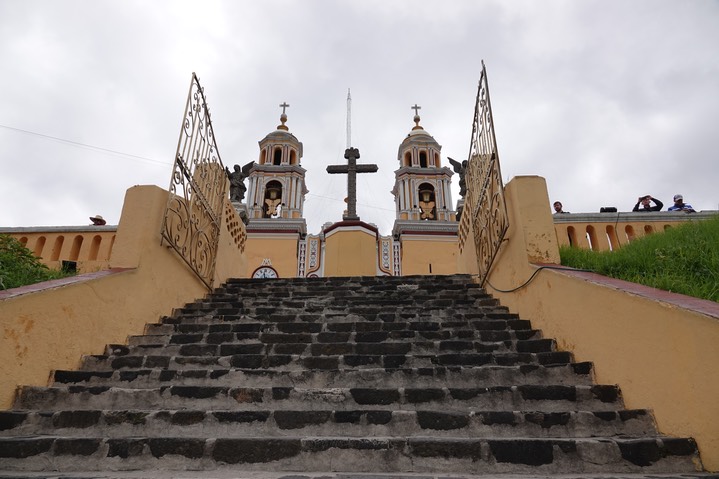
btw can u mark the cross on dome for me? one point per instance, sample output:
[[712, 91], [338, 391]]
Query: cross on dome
[[283, 116]]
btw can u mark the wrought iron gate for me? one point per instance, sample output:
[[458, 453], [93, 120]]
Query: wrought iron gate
[[485, 191], [191, 223]]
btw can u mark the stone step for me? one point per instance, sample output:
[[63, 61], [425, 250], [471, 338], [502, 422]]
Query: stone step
[[194, 357], [327, 422], [545, 398], [330, 312], [486, 376], [495, 328], [458, 329], [317, 344], [368, 332], [375, 454]]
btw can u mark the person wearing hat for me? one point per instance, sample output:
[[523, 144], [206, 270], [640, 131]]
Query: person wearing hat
[[679, 205], [97, 220], [645, 206]]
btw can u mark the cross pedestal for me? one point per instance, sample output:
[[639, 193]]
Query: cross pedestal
[[351, 169]]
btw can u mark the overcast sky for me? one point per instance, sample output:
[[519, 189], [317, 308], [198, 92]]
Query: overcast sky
[[607, 100]]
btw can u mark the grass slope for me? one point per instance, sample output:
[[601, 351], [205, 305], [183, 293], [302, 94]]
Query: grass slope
[[684, 259]]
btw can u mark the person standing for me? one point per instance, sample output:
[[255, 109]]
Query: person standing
[[558, 208], [643, 204], [679, 205]]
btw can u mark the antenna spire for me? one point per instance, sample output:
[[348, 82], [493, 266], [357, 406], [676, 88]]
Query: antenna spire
[[349, 119]]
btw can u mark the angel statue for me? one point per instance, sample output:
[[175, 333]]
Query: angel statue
[[237, 181], [460, 169]]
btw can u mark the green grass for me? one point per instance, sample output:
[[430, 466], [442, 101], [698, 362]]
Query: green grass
[[684, 259], [19, 267]]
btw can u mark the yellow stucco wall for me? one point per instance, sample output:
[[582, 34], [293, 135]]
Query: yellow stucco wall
[[281, 250], [662, 356], [351, 253], [423, 254], [52, 328]]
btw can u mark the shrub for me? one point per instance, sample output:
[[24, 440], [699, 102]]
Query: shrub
[[19, 267]]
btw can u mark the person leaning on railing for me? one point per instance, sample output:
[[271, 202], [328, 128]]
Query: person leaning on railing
[[643, 204], [679, 205]]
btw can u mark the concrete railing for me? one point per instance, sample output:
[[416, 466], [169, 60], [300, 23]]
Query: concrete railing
[[610, 231], [82, 248], [659, 347]]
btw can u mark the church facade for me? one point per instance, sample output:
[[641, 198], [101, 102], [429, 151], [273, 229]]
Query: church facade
[[423, 239]]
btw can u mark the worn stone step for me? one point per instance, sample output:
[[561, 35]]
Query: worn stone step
[[294, 362], [375, 454], [320, 344], [327, 422], [315, 333], [553, 398], [561, 374], [454, 329], [328, 311]]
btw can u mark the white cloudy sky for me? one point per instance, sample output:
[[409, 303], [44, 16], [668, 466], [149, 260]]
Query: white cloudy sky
[[608, 100]]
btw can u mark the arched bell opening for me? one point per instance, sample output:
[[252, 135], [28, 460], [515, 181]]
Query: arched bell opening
[[423, 159], [273, 199], [427, 203], [407, 159]]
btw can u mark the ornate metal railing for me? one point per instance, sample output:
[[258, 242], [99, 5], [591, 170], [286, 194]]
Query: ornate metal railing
[[485, 191], [198, 187]]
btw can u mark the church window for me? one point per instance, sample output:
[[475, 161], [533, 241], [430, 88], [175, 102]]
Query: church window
[[263, 157], [277, 157], [293, 157], [407, 159], [423, 159]]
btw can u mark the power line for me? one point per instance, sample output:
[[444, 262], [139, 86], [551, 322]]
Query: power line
[[342, 201], [84, 145]]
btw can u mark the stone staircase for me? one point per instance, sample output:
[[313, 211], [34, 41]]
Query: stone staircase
[[425, 374]]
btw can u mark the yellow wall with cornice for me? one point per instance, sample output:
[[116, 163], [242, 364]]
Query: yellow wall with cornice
[[351, 253]]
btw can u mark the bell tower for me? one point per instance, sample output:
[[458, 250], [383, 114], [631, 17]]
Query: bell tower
[[275, 201], [277, 181], [422, 185], [425, 227]]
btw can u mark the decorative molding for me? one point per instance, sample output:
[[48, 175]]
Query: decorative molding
[[301, 254]]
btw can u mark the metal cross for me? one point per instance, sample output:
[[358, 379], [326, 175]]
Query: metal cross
[[284, 105], [415, 108], [351, 169]]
